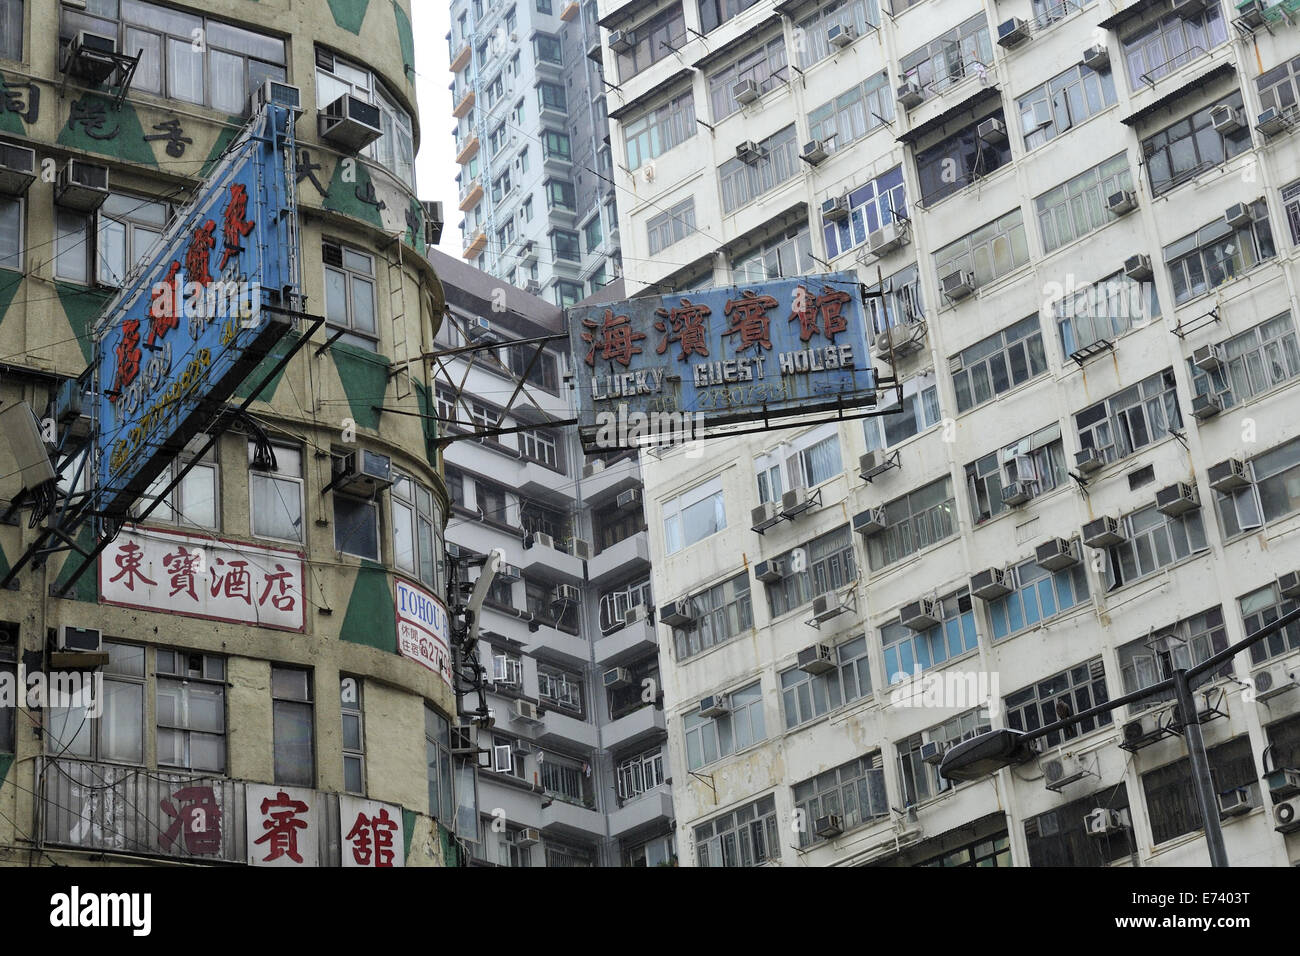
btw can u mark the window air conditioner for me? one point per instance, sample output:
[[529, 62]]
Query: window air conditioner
[[817, 659], [351, 123], [1055, 555], [362, 473]]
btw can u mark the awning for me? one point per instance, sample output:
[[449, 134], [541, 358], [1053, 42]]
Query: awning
[[1194, 85], [1124, 14], [971, 101], [795, 212], [619, 13], [748, 39], [649, 96]]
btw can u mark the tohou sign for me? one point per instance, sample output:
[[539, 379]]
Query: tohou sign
[[424, 629]]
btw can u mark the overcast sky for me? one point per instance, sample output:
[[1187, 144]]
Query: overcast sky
[[435, 166]]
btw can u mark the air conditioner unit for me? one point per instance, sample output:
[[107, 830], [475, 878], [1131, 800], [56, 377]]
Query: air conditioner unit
[[827, 606], [770, 571], [958, 285], [1103, 822], [1235, 802], [636, 614], [840, 34], [434, 220], [764, 516], [522, 747], [565, 594], [1061, 770], [831, 825], [1238, 214], [870, 521], [1096, 58], [1224, 119], [795, 502], [463, 739], [17, 168], [1209, 358], [362, 473], [1272, 681], [273, 92], [72, 407], [1272, 121], [749, 152], [1251, 13], [746, 91], [628, 498], [1286, 815], [835, 209], [1188, 8], [818, 659], [932, 752], [1145, 730], [1282, 783], [1012, 32], [991, 130], [620, 41], [1016, 493], [993, 583], [1229, 475], [890, 236], [533, 287], [1206, 405], [581, 549], [677, 613], [922, 615], [1138, 267], [525, 710], [351, 123], [1176, 499], [1056, 554], [528, 836], [616, 677], [91, 57], [715, 705], [508, 573], [910, 95], [1121, 202], [81, 186], [814, 151], [1102, 533], [1088, 460], [540, 539], [69, 638], [479, 330], [1289, 584], [872, 465]]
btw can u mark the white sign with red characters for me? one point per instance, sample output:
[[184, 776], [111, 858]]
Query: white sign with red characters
[[283, 826], [203, 577], [424, 629], [372, 833]]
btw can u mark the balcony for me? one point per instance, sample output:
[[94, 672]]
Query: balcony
[[469, 197], [468, 151], [522, 804], [558, 728], [562, 819], [622, 560], [601, 482], [556, 164], [542, 482], [643, 724], [570, 10], [464, 104], [643, 812], [548, 562], [476, 244], [627, 644], [462, 58], [555, 646]]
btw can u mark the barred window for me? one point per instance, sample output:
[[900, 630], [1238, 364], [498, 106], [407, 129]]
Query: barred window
[[1070, 692], [1186, 149], [955, 162], [778, 161], [1171, 42], [829, 566]]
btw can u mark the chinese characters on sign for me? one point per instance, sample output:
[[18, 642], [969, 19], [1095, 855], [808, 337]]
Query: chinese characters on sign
[[21, 99], [195, 821], [423, 629], [372, 833], [199, 577], [284, 826]]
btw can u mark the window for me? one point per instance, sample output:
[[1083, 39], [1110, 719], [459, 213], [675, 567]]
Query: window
[[765, 67], [714, 13], [614, 604], [501, 186], [991, 251], [437, 759], [855, 792], [660, 851], [550, 96], [830, 567], [548, 48], [495, 90], [496, 139], [193, 502], [11, 232], [591, 234], [556, 145], [993, 852], [276, 494], [998, 363], [1078, 206], [561, 689], [117, 734], [658, 130], [655, 39], [809, 460], [1219, 253], [1072, 691], [747, 836], [694, 515], [1039, 596], [1064, 102], [787, 254], [947, 59], [1256, 361], [625, 700], [908, 653], [613, 524], [920, 411], [914, 521], [1036, 462], [1154, 657], [1171, 42], [639, 774], [810, 33], [507, 669], [291, 710], [720, 613], [1059, 837], [11, 29], [568, 293], [544, 373], [563, 777], [191, 710], [1192, 145], [456, 487], [1262, 607], [1152, 541], [72, 245], [356, 526], [806, 697], [395, 149], [1103, 311], [709, 739], [1273, 494], [350, 292], [565, 245], [541, 446], [543, 6], [742, 182], [671, 226], [128, 230], [354, 738], [921, 780], [1171, 801], [878, 203], [560, 195], [1291, 206], [1131, 419]]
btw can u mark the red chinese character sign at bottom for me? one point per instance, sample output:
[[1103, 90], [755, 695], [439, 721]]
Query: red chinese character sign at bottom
[[284, 826], [373, 835], [195, 815]]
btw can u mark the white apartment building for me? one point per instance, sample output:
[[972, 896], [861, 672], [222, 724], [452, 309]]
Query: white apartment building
[[574, 772], [1087, 219]]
